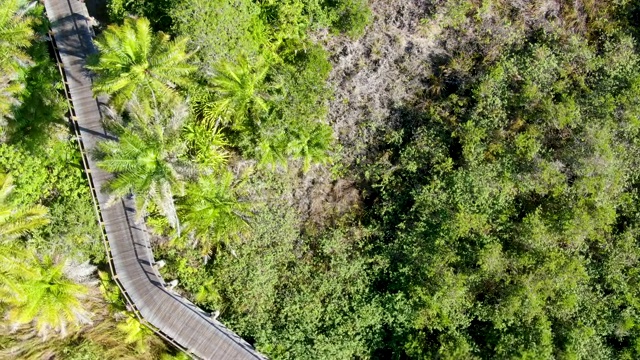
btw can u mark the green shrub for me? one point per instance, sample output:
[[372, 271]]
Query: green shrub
[[350, 16]]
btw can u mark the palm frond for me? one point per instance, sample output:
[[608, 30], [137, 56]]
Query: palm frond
[[135, 63]]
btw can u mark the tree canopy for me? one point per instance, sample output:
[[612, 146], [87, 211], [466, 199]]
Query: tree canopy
[[16, 34], [133, 63], [337, 179]]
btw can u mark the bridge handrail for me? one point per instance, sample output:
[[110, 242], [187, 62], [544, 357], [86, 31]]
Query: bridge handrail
[[103, 234]]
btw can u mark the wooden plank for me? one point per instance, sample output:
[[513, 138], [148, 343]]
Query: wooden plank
[[128, 242]]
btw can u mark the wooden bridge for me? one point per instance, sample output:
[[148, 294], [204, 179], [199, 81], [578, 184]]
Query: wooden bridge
[[127, 243]]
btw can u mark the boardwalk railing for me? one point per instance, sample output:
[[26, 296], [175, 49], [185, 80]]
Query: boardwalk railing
[[127, 247], [96, 207]]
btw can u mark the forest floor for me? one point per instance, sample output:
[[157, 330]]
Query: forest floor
[[372, 77], [376, 74]]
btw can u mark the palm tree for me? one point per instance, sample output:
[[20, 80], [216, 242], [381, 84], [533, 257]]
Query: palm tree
[[146, 163], [16, 31], [239, 94], [16, 34], [13, 264], [140, 117], [211, 212], [17, 220], [43, 295], [311, 145], [133, 62], [206, 146], [136, 334], [271, 148]]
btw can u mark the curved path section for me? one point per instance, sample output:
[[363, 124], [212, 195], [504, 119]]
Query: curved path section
[[170, 315]]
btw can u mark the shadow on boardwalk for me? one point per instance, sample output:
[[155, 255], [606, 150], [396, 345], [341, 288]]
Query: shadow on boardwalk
[[171, 316]]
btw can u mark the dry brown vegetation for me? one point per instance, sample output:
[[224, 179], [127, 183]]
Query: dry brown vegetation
[[414, 51], [371, 75], [410, 44], [23, 342], [377, 72]]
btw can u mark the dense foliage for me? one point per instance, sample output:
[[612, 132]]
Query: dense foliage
[[505, 199], [474, 197], [498, 197], [48, 228], [509, 203]]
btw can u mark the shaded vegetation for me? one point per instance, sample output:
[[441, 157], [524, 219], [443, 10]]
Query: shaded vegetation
[[49, 299], [474, 163], [498, 192]]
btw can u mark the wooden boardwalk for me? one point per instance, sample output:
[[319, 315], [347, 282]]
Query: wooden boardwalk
[[127, 244]]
